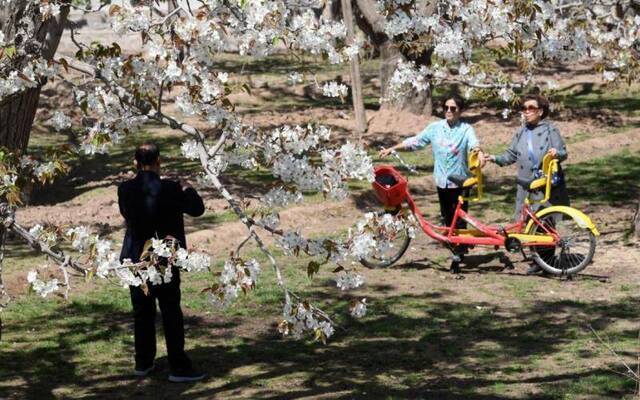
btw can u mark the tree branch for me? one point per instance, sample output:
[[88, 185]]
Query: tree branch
[[60, 256]]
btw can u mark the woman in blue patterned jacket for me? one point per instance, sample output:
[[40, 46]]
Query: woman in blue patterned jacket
[[451, 141]]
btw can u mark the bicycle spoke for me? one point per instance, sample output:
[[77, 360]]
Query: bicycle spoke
[[574, 249]]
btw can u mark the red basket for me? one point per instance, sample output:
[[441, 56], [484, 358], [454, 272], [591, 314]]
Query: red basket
[[390, 186]]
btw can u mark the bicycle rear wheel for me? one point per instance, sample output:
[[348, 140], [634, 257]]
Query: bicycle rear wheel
[[574, 250], [392, 250]]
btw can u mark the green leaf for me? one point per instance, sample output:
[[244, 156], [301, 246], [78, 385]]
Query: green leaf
[[10, 51]]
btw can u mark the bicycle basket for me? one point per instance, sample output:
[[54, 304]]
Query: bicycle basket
[[390, 186]]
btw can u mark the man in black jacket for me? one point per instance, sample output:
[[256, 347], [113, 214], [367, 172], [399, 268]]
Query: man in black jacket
[[153, 208]]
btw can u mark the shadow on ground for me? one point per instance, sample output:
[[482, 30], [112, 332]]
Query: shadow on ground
[[432, 349]]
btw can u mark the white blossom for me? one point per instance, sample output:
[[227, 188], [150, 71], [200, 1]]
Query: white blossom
[[50, 10], [36, 230], [172, 71], [334, 89], [223, 77], [40, 287], [43, 170], [192, 261], [107, 264], [9, 179], [294, 78], [279, 197], [359, 309], [349, 280], [160, 248], [190, 149], [609, 76], [80, 236], [127, 278], [352, 50]]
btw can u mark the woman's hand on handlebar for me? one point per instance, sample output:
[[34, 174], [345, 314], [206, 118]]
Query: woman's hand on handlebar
[[482, 158], [488, 158], [385, 152]]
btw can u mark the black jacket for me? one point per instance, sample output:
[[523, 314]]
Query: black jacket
[[153, 208]]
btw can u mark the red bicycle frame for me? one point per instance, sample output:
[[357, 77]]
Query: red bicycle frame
[[395, 193]]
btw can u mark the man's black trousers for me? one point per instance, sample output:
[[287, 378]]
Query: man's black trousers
[[144, 311]]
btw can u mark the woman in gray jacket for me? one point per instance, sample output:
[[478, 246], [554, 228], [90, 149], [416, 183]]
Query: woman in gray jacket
[[530, 143]]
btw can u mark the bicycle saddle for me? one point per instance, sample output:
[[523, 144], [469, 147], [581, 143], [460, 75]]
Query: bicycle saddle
[[532, 184], [463, 181]]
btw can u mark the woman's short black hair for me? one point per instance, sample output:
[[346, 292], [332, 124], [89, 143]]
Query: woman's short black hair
[[542, 101], [147, 154], [455, 97]]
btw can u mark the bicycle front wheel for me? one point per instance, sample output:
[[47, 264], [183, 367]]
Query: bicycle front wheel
[[391, 250], [574, 250]]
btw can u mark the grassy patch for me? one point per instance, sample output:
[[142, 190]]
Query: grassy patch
[[408, 346], [586, 95], [610, 180]]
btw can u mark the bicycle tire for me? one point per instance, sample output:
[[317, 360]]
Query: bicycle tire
[[402, 245], [574, 251]]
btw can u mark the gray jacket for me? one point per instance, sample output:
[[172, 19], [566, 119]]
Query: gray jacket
[[544, 137]]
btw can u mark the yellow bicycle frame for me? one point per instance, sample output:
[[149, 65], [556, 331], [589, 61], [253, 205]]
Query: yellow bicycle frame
[[581, 218]]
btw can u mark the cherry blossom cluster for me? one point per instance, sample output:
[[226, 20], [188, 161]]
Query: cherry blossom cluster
[[358, 308], [29, 76], [372, 233], [237, 276], [97, 257], [41, 287], [532, 33], [301, 317], [19, 171]]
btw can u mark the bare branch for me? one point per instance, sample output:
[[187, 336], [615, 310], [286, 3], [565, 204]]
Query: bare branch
[[60, 256], [245, 241], [630, 371], [63, 268]]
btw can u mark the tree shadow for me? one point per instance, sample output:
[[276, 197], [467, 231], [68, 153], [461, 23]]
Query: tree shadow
[[37, 370], [429, 355], [409, 346]]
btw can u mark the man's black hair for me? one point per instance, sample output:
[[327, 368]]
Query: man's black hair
[[147, 154], [455, 97]]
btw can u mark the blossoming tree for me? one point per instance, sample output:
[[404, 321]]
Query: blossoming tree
[[119, 93]]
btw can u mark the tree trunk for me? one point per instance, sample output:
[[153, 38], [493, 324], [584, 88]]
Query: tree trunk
[[16, 118], [4, 297], [18, 111], [636, 221], [356, 81], [415, 102], [372, 24]]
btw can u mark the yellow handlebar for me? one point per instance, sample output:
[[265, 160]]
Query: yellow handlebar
[[549, 167], [473, 163]]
